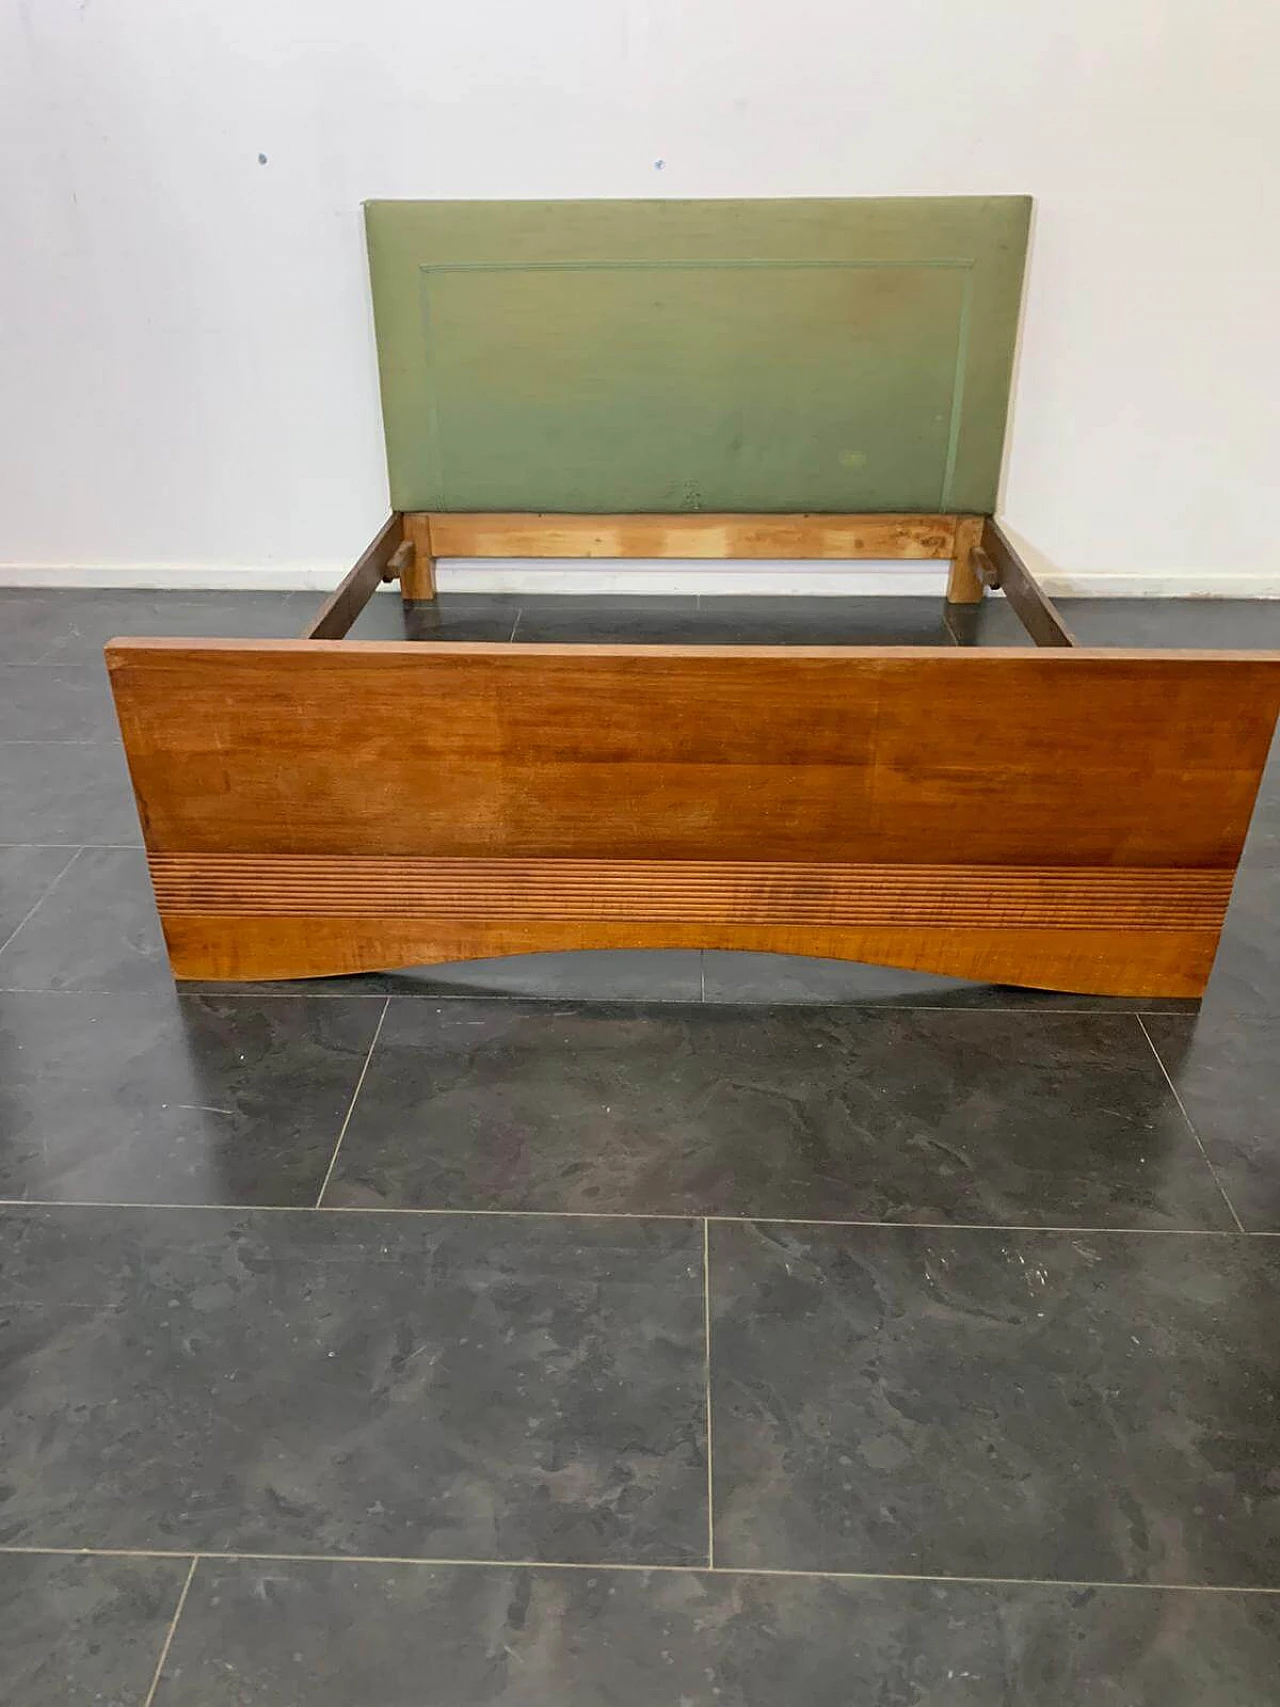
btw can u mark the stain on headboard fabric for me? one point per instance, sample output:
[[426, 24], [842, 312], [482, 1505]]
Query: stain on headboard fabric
[[614, 356]]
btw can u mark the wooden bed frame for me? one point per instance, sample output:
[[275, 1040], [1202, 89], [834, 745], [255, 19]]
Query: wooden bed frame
[[1059, 817]]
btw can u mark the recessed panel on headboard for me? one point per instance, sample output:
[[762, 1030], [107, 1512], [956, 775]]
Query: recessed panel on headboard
[[612, 356]]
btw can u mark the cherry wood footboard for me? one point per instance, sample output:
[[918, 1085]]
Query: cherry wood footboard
[[1063, 818]]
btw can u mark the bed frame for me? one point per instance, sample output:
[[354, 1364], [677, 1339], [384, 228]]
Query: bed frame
[[781, 381]]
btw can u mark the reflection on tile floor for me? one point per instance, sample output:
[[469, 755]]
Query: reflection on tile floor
[[80, 1632], [612, 1152], [1054, 1119], [156, 1098], [1070, 1406], [412, 1386], [333, 1634]]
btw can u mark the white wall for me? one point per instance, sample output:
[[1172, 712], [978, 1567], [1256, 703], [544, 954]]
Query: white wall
[[186, 354]]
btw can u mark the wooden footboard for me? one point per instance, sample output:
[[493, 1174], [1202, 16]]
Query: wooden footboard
[[1065, 819]]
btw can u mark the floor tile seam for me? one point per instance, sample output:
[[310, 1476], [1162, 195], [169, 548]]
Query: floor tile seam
[[1064, 1229], [1191, 1125], [692, 1217], [232, 1555], [355, 1096], [706, 1375], [150, 1696], [39, 902]]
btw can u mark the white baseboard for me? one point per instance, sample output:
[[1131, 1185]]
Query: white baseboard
[[645, 575], [179, 578], [1163, 584], [553, 575]]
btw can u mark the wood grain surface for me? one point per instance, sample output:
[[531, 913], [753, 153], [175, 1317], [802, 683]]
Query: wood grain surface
[[1099, 962], [690, 891], [1066, 818], [361, 581], [1035, 610], [418, 580], [964, 586], [908, 537]]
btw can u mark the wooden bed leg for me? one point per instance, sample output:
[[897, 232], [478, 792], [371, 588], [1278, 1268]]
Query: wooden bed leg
[[418, 581], [963, 584]]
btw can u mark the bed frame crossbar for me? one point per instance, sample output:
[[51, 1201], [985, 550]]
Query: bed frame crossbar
[[980, 554]]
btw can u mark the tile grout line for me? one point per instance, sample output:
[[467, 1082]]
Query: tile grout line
[[1191, 1126], [168, 1640], [978, 1226], [40, 900], [640, 1215], [333, 1159], [229, 1555], [990, 1582], [706, 1340]]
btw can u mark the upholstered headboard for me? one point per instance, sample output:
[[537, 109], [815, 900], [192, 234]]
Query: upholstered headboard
[[606, 356]]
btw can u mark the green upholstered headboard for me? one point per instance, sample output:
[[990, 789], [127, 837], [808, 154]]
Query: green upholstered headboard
[[613, 356]]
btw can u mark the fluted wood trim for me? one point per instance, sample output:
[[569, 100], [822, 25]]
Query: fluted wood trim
[[693, 892]]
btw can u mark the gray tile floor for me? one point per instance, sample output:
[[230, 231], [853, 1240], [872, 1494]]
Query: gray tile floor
[[714, 1330]]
